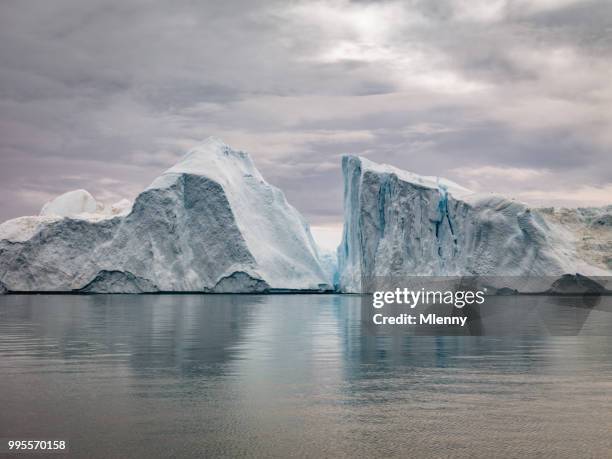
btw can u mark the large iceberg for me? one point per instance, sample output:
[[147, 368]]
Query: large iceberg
[[211, 223], [398, 224]]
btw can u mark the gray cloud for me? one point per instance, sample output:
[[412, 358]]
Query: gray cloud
[[106, 94]]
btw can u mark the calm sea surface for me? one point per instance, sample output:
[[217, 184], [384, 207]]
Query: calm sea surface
[[293, 375]]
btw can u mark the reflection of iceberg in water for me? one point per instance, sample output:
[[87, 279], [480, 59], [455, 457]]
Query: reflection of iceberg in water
[[292, 339], [287, 375], [193, 334], [144, 332]]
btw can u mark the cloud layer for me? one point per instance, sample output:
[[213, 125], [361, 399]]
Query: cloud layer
[[508, 96]]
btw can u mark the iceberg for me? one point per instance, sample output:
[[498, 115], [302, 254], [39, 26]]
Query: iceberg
[[399, 224], [210, 223], [70, 204]]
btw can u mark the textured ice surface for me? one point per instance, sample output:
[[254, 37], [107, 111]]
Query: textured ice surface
[[118, 282], [70, 204], [329, 263], [275, 233], [210, 223], [399, 224]]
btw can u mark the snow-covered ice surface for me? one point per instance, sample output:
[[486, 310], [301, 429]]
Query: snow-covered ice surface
[[77, 204], [398, 224], [211, 223], [70, 204]]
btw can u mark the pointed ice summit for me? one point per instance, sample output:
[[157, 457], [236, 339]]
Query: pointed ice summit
[[398, 224], [211, 223]]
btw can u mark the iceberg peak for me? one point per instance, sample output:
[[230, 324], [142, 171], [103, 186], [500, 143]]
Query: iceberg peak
[[217, 161]]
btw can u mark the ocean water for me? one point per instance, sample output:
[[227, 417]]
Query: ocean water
[[294, 375]]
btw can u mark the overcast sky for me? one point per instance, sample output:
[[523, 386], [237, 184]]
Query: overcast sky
[[507, 96]]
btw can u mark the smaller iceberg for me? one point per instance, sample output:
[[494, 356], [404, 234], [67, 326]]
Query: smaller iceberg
[[70, 204]]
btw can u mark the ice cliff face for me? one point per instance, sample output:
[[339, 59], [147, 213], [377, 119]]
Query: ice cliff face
[[211, 223], [400, 224]]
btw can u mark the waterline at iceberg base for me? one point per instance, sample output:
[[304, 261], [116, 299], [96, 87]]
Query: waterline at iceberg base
[[212, 224]]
